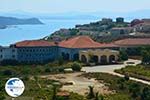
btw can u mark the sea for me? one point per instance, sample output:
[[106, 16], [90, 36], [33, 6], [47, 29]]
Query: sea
[[17, 33]]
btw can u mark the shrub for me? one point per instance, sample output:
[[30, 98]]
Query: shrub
[[47, 70], [7, 72], [61, 69], [123, 55], [126, 77], [76, 66]]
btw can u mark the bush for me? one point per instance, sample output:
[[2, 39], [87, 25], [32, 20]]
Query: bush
[[47, 70], [61, 69], [126, 77], [7, 72], [76, 66]]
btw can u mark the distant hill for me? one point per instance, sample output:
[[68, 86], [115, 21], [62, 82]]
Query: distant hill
[[17, 21]]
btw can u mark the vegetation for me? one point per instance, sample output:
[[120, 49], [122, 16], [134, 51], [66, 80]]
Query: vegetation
[[2, 91], [145, 52], [76, 67], [124, 89], [92, 95], [123, 55], [139, 71]]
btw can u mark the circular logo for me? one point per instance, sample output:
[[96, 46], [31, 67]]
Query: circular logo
[[14, 87]]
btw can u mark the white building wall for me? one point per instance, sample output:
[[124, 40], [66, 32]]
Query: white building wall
[[7, 53]]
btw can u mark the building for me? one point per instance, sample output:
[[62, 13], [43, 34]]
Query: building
[[142, 26], [106, 21], [41, 51], [36, 51], [99, 56], [121, 31], [120, 20], [69, 49], [131, 45], [7, 53], [133, 42]]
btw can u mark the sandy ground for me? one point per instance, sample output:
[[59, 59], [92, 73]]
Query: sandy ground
[[80, 84]]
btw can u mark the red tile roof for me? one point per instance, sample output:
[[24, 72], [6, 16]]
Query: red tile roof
[[82, 42], [133, 42], [34, 43]]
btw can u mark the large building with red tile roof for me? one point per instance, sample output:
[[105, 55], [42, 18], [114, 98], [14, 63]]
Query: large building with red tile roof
[[35, 51], [34, 43], [132, 42], [82, 42]]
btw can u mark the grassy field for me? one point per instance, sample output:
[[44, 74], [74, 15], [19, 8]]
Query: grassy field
[[139, 71]]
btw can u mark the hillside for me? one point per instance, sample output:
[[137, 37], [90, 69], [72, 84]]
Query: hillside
[[105, 30]]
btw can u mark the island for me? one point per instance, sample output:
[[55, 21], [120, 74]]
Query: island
[[5, 21]]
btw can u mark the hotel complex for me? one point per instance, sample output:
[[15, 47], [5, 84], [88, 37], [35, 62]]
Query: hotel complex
[[76, 48]]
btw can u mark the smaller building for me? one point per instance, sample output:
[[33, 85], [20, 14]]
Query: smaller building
[[106, 21], [99, 56], [120, 20], [121, 31]]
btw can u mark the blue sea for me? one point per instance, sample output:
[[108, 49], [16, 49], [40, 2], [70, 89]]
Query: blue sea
[[28, 32]]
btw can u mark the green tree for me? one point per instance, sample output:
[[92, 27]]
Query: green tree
[[96, 96], [145, 94], [123, 55], [54, 97], [60, 60], [126, 76], [76, 66], [145, 56], [91, 92], [134, 89]]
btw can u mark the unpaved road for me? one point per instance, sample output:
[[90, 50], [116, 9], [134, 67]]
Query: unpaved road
[[110, 69]]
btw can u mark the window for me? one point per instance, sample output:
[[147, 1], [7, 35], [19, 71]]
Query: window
[[13, 56], [1, 50], [1, 56], [13, 50]]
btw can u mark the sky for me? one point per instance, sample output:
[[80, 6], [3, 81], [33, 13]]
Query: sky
[[59, 6]]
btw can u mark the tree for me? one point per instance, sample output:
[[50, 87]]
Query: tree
[[96, 96], [54, 97], [145, 94], [146, 56], [76, 66], [123, 55], [134, 89], [91, 92], [60, 60], [126, 76]]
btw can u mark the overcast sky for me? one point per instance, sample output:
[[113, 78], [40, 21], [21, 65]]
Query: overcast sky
[[56, 6]]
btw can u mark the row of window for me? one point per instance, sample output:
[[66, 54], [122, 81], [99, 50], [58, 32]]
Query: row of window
[[37, 50], [1, 50], [13, 56], [37, 55]]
